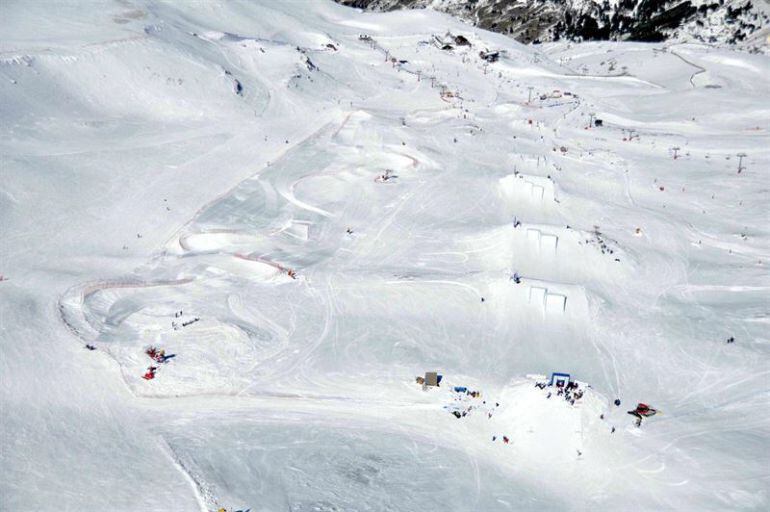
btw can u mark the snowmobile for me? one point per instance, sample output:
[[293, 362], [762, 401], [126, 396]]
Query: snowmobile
[[642, 411], [150, 373]]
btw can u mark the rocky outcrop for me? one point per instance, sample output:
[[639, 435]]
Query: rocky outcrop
[[533, 21]]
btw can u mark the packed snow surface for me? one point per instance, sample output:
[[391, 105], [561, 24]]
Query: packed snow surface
[[307, 206]]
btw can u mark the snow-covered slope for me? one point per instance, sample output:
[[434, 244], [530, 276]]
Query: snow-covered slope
[[308, 206]]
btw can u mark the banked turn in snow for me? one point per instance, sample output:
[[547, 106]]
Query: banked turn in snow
[[206, 180]]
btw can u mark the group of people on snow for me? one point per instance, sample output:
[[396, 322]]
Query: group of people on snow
[[570, 391], [177, 326], [464, 403], [461, 408], [157, 355]]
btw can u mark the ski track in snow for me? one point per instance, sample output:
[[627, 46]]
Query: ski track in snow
[[204, 499]]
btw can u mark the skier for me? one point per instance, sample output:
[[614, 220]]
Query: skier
[[516, 278], [151, 352], [150, 373], [90, 347]]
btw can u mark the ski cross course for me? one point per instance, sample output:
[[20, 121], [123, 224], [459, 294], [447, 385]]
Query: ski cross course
[[305, 206]]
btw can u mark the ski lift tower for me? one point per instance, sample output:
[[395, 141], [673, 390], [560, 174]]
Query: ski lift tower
[[741, 156]]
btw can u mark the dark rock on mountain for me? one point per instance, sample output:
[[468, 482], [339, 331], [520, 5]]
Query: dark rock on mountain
[[533, 21]]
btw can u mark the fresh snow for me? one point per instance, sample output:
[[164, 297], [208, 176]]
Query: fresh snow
[[207, 178]]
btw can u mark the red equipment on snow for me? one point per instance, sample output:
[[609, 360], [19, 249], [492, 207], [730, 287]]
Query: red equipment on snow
[[642, 411], [159, 356], [645, 410], [150, 373]]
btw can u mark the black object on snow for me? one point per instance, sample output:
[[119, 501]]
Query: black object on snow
[[462, 41], [490, 56]]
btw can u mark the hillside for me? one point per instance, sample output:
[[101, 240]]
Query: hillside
[[306, 207]]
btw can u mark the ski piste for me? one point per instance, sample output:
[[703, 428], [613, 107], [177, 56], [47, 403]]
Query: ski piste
[[310, 207]]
